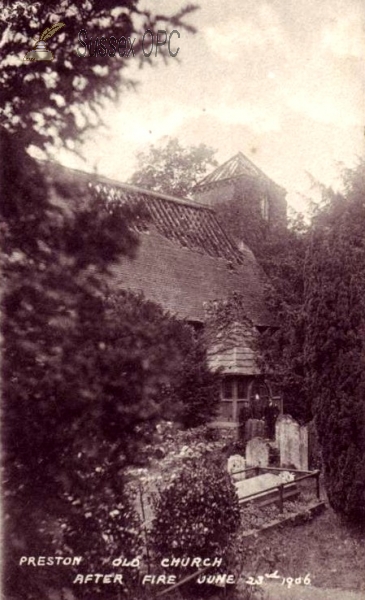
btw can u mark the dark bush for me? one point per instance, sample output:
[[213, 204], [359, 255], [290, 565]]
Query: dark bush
[[195, 516]]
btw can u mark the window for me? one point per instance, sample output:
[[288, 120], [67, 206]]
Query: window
[[235, 387], [242, 388], [227, 388], [260, 396], [234, 395]]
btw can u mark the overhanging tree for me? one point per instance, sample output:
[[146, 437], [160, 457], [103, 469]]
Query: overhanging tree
[[48, 103], [54, 272], [54, 264], [153, 366]]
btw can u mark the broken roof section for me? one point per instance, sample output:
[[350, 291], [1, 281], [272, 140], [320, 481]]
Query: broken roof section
[[237, 166], [184, 222], [184, 258]]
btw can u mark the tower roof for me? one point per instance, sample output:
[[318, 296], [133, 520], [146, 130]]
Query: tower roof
[[237, 166]]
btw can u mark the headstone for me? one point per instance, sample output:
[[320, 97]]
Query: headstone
[[254, 428], [292, 441], [303, 448], [257, 453], [235, 463]]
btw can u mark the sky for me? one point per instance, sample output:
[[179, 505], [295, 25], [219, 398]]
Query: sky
[[280, 80]]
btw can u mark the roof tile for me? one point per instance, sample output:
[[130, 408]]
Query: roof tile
[[184, 258]]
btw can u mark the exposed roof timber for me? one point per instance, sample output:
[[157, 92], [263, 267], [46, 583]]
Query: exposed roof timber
[[187, 223], [184, 257], [88, 177], [237, 166]]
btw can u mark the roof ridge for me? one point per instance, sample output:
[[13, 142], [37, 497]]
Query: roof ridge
[[187, 223], [240, 154], [216, 169], [131, 188]]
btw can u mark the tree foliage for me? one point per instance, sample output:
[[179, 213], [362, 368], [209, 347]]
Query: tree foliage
[[316, 352], [157, 365], [334, 346], [282, 360], [281, 252], [63, 463], [46, 103], [171, 168], [54, 273], [196, 389], [87, 373]]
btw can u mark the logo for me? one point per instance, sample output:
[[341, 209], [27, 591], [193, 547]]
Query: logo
[[40, 51], [110, 46]]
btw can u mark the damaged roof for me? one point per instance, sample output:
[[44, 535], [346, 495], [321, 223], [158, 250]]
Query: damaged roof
[[184, 257], [184, 222], [237, 166]]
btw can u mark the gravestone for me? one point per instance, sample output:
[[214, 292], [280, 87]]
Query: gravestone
[[257, 453], [292, 441], [254, 428], [235, 463]]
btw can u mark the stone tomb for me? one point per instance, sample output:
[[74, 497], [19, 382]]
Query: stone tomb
[[261, 485]]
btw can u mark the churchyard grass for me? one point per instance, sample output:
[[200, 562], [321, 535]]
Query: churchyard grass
[[331, 551]]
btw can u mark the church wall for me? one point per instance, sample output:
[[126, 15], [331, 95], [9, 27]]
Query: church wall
[[212, 196], [269, 201]]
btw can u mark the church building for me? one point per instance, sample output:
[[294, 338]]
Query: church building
[[185, 259]]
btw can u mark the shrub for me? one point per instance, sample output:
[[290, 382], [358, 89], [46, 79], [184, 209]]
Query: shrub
[[314, 447], [196, 387], [335, 344], [195, 515]]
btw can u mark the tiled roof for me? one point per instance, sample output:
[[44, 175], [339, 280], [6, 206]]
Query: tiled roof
[[182, 280], [184, 257], [237, 166], [184, 222]]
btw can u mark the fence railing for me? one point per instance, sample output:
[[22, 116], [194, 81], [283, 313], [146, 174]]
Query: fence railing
[[281, 486]]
